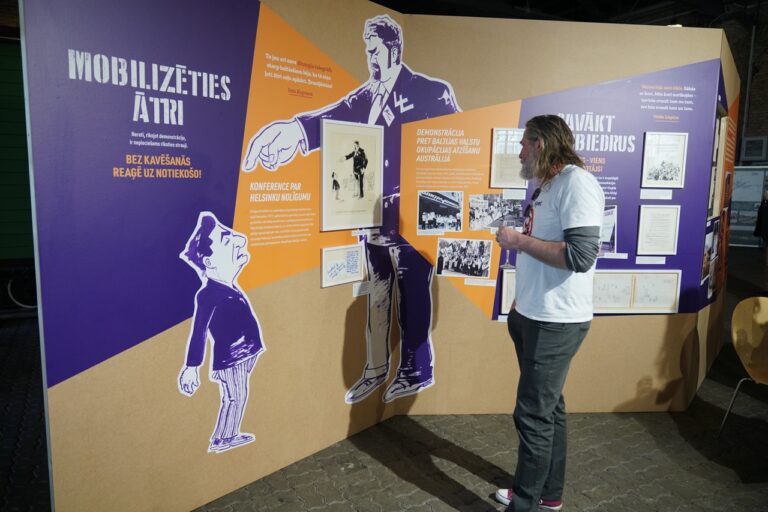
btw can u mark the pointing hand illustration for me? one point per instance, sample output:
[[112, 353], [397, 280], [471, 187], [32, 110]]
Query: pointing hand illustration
[[274, 145]]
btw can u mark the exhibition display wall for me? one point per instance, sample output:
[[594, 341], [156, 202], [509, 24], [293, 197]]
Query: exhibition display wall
[[263, 229]]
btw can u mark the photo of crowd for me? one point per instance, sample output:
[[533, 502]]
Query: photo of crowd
[[491, 210], [440, 212], [665, 172], [461, 257]]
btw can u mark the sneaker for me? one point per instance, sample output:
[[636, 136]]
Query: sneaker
[[504, 496], [550, 504]]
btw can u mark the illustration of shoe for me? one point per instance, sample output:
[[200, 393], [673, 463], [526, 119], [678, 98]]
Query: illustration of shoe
[[365, 386], [405, 386]]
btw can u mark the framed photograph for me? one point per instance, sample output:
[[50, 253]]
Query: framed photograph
[[439, 212], [664, 159], [658, 229], [352, 176], [612, 291], [343, 264], [609, 230], [507, 290], [488, 211], [462, 257], [505, 158], [656, 291]]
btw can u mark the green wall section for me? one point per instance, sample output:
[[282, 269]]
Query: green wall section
[[15, 207]]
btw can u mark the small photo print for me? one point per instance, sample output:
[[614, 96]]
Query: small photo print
[[463, 257], [440, 212], [343, 264], [492, 211]]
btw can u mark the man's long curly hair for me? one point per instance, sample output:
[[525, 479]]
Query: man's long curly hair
[[557, 146]]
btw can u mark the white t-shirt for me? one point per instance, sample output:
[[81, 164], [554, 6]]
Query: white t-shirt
[[572, 199]]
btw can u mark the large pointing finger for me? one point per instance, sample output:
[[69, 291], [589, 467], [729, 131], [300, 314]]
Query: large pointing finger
[[256, 147]]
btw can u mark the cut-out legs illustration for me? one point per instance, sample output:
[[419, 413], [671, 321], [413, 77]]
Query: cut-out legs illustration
[[233, 385], [224, 315], [397, 267]]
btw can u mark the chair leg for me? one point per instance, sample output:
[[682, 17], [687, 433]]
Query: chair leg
[[733, 399]]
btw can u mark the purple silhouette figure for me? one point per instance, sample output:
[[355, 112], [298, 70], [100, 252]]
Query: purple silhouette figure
[[223, 314], [399, 274]]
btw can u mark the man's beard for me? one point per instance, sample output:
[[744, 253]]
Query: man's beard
[[528, 170]]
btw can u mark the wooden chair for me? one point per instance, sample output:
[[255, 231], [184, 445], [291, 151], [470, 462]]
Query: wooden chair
[[749, 331]]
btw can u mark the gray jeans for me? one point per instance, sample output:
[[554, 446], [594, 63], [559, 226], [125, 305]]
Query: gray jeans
[[544, 352]]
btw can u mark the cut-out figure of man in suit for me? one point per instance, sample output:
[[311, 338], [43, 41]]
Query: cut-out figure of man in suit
[[392, 95], [224, 315]]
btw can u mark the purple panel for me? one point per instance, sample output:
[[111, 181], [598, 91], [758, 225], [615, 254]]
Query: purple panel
[[619, 111], [109, 246]]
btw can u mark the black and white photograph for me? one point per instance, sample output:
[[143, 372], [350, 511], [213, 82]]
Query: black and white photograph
[[352, 156], [440, 212], [488, 211], [463, 257], [505, 160], [664, 159]]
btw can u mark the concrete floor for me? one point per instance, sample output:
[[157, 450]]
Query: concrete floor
[[617, 462]]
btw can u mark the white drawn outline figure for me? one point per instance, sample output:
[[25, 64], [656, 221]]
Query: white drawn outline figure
[[223, 315]]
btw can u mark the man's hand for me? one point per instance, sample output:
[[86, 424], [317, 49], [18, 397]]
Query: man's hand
[[509, 238], [274, 145], [189, 380]]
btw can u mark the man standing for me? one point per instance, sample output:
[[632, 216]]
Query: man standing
[[359, 163], [394, 94], [223, 313], [552, 311]]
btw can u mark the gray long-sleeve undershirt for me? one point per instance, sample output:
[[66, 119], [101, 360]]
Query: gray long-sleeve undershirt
[[581, 247]]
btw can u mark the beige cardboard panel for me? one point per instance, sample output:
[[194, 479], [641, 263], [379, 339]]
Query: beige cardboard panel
[[730, 73], [335, 26], [122, 435], [654, 364], [716, 333], [490, 61], [635, 363]]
